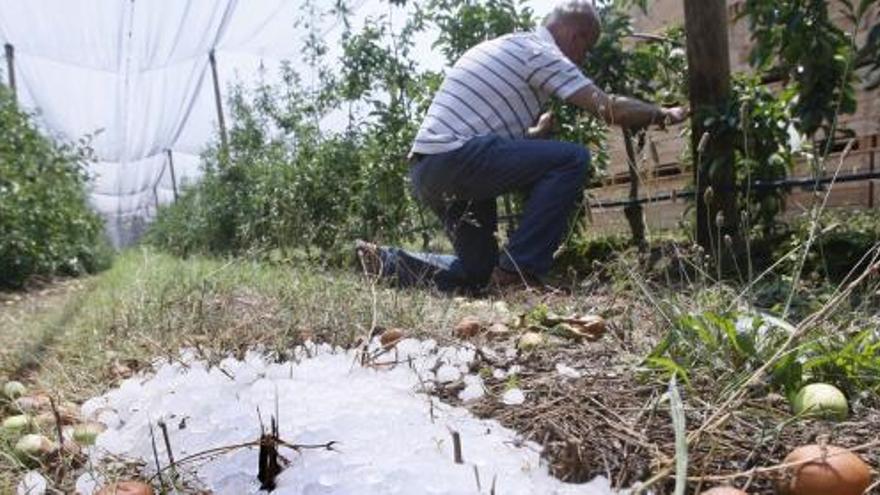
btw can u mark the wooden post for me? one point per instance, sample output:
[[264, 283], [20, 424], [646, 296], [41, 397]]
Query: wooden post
[[218, 100], [709, 83], [173, 176], [10, 68]]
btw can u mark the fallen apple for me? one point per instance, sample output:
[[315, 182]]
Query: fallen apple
[[14, 390], [724, 490], [824, 470], [126, 488], [821, 399], [530, 341], [468, 327], [391, 337], [34, 446], [16, 423]]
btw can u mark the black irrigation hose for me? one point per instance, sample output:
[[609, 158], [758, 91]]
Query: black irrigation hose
[[805, 182]]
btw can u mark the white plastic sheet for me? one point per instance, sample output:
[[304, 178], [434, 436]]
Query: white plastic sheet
[[135, 75]]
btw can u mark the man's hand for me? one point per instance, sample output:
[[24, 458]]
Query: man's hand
[[625, 112], [544, 128], [674, 115]]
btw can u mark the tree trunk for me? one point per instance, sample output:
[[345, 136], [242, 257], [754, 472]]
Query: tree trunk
[[709, 83], [634, 211]]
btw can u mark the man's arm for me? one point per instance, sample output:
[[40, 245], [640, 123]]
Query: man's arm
[[623, 111]]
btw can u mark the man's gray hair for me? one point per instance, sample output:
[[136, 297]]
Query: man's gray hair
[[580, 12]]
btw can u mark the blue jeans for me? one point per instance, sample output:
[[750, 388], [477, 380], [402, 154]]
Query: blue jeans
[[461, 187]]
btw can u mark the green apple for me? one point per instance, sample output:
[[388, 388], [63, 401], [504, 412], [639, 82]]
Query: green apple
[[16, 423], [821, 399], [14, 390]]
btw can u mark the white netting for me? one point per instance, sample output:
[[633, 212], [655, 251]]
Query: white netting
[[135, 74]]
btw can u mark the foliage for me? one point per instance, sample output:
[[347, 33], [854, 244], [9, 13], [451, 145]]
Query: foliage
[[293, 193], [798, 40], [850, 360], [717, 341], [465, 23], [583, 253], [46, 226], [765, 144], [729, 346], [843, 240], [652, 70]]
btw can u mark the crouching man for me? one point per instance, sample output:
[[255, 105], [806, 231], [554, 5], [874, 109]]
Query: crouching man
[[482, 138]]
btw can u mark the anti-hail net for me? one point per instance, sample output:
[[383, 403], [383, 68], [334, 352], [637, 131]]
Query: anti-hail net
[[135, 75]]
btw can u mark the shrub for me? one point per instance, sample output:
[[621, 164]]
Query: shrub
[[46, 226]]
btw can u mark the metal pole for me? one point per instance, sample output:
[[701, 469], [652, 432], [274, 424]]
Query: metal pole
[[871, 185], [156, 198], [10, 67], [218, 100], [173, 176]]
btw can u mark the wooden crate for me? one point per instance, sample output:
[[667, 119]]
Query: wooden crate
[[608, 222], [852, 195], [660, 185], [661, 15], [668, 144], [665, 216], [854, 162], [609, 193], [658, 217]]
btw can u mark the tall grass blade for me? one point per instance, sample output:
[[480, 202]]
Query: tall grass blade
[[676, 410]]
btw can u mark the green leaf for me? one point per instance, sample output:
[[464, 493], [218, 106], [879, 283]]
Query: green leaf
[[670, 366]]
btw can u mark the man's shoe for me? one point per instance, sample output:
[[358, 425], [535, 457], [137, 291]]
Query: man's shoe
[[503, 280]]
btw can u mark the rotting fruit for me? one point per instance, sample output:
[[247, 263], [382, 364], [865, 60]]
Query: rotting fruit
[[824, 470]]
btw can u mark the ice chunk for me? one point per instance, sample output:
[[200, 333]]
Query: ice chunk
[[88, 483], [33, 483], [473, 389], [567, 371], [513, 397], [390, 437], [448, 374]]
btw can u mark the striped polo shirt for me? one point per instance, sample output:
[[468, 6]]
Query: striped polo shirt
[[498, 87]]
